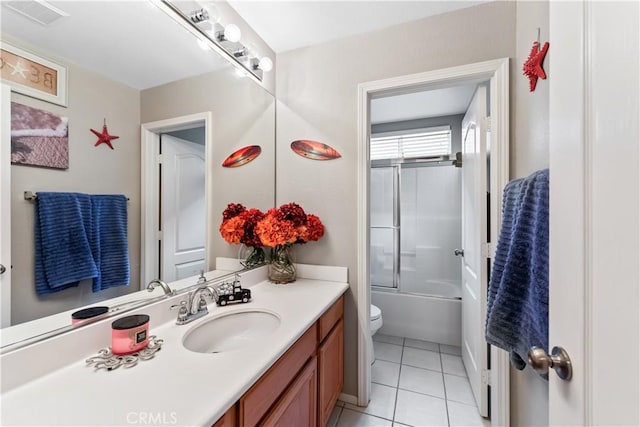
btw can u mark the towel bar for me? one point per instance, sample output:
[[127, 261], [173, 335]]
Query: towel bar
[[30, 195]]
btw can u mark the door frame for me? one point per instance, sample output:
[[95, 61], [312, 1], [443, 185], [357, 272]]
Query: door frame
[[150, 185], [5, 207], [497, 73]]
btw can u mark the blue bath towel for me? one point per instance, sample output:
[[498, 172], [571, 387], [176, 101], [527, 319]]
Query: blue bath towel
[[110, 246], [518, 296], [63, 254]]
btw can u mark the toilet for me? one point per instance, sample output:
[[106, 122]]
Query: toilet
[[375, 325]]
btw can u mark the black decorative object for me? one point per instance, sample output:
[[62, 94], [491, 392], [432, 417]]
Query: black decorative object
[[229, 292]]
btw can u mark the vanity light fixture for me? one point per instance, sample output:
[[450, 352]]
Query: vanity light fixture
[[241, 53], [207, 13], [251, 50], [265, 64], [203, 23], [230, 33], [198, 16]]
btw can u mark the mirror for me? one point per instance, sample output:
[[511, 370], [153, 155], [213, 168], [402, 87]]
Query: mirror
[[128, 65]]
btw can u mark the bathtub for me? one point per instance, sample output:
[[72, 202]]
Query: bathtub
[[422, 317]]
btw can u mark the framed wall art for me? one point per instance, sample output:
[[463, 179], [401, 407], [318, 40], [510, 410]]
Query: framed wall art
[[38, 137], [32, 75]]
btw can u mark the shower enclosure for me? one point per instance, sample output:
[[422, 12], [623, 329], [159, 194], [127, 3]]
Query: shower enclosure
[[415, 227]]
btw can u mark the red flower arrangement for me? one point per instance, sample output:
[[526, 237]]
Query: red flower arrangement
[[278, 229]]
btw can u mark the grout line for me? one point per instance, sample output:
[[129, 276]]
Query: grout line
[[395, 404], [444, 386], [421, 367], [338, 417], [365, 413], [424, 394]]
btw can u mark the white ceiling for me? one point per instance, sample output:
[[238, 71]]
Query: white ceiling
[[132, 42], [287, 25], [422, 105], [135, 43]]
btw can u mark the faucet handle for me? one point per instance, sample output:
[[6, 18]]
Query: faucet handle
[[202, 278], [183, 312], [202, 304]]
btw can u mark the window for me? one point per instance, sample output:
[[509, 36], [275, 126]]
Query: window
[[416, 143]]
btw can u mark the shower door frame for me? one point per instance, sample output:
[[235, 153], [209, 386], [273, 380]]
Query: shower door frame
[[398, 165], [497, 73], [397, 170]]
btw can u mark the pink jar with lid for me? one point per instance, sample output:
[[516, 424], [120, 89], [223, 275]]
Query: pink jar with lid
[[129, 334]]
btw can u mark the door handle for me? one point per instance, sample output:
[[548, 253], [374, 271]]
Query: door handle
[[559, 361], [459, 252], [2, 269]]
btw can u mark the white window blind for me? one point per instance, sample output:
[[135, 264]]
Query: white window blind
[[430, 142]]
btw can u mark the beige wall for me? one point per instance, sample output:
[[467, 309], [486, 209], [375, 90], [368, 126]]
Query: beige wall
[[92, 98], [529, 152], [243, 114], [317, 99]]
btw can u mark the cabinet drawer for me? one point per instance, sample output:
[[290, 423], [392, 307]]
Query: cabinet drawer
[[257, 401], [330, 318]]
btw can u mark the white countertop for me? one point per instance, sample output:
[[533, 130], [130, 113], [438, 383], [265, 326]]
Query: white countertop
[[177, 387]]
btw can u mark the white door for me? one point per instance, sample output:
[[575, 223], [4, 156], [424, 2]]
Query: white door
[[5, 207], [594, 281], [182, 208], [474, 239]]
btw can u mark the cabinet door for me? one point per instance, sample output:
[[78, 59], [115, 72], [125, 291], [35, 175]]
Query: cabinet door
[[297, 406], [330, 372], [228, 419]]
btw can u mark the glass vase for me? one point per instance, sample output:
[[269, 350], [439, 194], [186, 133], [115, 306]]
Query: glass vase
[[251, 257], [281, 267]]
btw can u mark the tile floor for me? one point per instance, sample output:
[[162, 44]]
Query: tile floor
[[414, 383]]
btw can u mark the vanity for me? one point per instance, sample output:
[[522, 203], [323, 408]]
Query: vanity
[[290, 374]]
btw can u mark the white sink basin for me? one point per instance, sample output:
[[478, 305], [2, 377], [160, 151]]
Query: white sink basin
[[231, 331]]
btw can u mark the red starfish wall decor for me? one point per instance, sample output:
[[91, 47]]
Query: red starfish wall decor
[[532, 67], [104, 137]]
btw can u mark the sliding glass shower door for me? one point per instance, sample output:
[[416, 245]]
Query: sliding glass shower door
[[385, 226], [415, 228], [431, 230]]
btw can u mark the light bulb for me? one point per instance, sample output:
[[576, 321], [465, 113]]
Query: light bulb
[[266, 64], [232, 33], [252, 50]]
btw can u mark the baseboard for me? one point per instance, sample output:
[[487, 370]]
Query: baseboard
[[347, 398]]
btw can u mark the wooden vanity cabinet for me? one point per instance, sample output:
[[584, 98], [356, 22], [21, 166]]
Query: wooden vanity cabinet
[[302, 387], [330, 372], [229, 419], [297, 406], [257, 401]]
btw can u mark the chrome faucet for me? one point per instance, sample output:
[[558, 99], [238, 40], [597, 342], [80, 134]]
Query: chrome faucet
[[157, 282], [197, 302], [194, 307]]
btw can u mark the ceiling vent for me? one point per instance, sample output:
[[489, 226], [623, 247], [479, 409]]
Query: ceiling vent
[[38, 10]]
